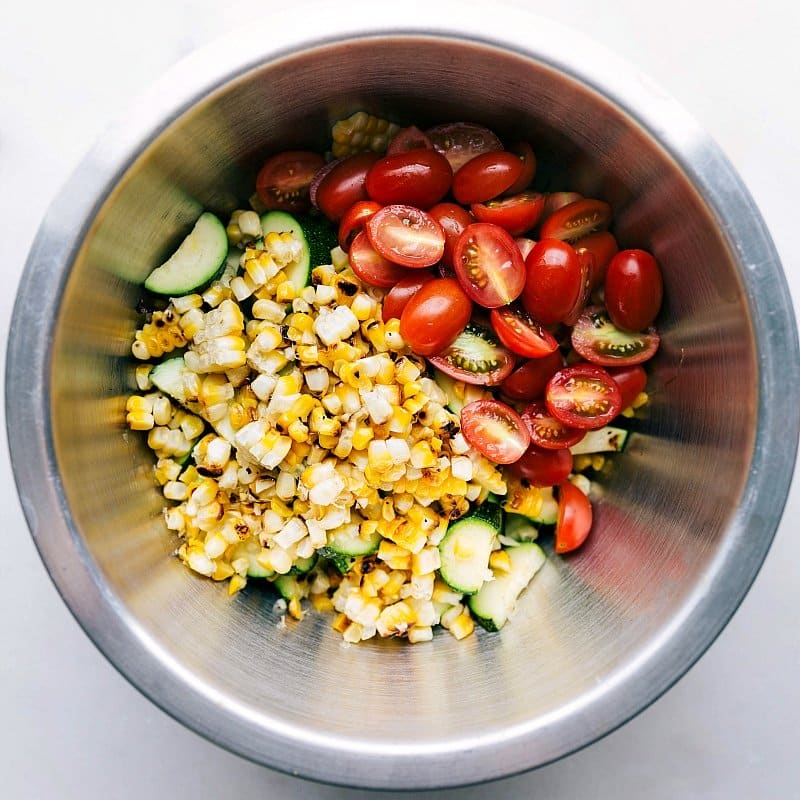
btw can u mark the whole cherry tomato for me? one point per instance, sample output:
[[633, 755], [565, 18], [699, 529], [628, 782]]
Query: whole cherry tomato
[[553, 282], [418, 178], [344, 185], [486, 176], [574, 518], [542, 467], [633, 289], [528, 381], [434, 316], [398, 296]]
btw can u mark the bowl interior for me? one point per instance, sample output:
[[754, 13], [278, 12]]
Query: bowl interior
[[663, 511]]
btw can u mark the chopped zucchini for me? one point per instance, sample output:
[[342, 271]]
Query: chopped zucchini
[[291, 587], [342, 563], [250, 550], [303, 565], [298, 272], [603, 440], [168, 377], [520, 528], [466, 547], [346, 540], [322, 236]]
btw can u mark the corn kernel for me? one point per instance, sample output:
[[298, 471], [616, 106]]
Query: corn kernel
[[462, 626], [499, 561]]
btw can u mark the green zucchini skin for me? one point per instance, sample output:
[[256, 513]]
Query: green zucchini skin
[[474, 534]]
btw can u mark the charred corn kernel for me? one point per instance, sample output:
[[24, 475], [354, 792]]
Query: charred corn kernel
[[340, 624], [395, 619], [321, 601], [462, 626], [285, 292], [236, 584], [499, 561], [422, 456], [375, 333]]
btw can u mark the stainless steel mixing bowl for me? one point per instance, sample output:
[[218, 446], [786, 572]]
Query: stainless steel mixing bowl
[[683, 520]]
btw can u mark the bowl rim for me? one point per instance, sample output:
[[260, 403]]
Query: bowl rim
[[362, 763]]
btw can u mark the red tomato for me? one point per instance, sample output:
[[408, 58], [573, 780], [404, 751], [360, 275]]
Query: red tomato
[[411, 138], [583, 396], [495, 429], [576, 219], [556, 200], [528, 382], [460, 142], [633, 290], [516, 214], [434, 316], [453, 219], [344, 185], [489, 265], [321, 173], [553, 282], [631, 382], [284, 180], [486, 176], [542, 467], [574, 518], [586, 263], [406, 235], [415, 177], [520, 333], [603, 246], [525, 153], [398, 296], [597, 339], [371, 266], [525, 245], [475, 357], [548, 432], [354, 220]]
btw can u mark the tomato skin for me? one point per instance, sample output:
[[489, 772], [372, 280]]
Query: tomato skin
[[459, 142], [528, 381], [354, 220], [633, 290], [486, 176], [406, 235], [631, 381], [344, 185], [597, 339], [577, 219], [398, 296], [525, 153], [525, 245], [475, 357], [489, 265], [548, 432], [434, 316], [586, 263], [411, 138], [542, 467], [603, 246], [284, 180], [553, 281], [517, 214], [556, 200], [583, 396], [418, 178], [574, 518], [521, 334], [453, 219], [495, 429], [371, 267]]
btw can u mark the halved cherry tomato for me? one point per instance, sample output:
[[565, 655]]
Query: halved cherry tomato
[[525, 245], [418, 178], [526, 155], [597, 339], [284, 180], [475, 357], [553, 282], [603, 246], [633, 289], [354, 220], [542, 467], [398, 296], [631, 381], [460, 142], [556, 200], [574, 518], [495, 429], [528, 381], [406, 235], [344, 185], [434, 316], [520, 333], [586, 263], [489, 265], [486, 176], [583, 396], [453, 219], [371, 266], [516, 214], [548, 432], [576, 219], [411, 138]]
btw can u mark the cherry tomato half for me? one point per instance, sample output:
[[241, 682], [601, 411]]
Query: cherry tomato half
[[548, 432], [475, 357], [597, 339], [354, 220], [284, 180], [453, 219], [398, 296], [633, 289], [344, 185], [516, 214], [586, 263], [553, 282], [574, 518], [486, 176], [576, 219], [520, 333], [406, 235], [542, 467], [583, 396], [528, 381], [460, 142], [631, 381], [411, 138], [418, 178], [489, 265], [556, 200], [525, 153], [495, 429], [371, 266], [603, 246], [434, 316]]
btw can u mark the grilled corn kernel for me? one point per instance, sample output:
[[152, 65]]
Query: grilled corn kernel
[[462, 626]]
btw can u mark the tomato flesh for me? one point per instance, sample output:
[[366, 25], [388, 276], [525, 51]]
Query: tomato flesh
[[597, 339], [577, 219], [553, 282], [583, 396], [633, 290], [460, 142], [542, 467], [371, 267], [434, 316], [548, 432], [406, 235], [486, 176], [517, 214], [528, 381], [354, 220], [284, 181], [520, 333], [476, 357], [418, 178], [344, 185], [495, 429], [398, 296], [574, 518]]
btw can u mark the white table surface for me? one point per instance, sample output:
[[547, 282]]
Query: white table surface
[[72, 727]]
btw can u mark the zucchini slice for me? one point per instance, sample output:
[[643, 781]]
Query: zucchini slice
[[346, 540], [298, 272], [603, 440], [520, 528], [168, 376], [466, 547]]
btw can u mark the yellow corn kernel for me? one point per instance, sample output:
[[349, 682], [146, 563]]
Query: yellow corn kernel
[[279, 507], [285, 291], [236, 584], [374, 331], [598, 461], [454, 486], [300, 409], [298, 431], [140, 420], [422, 457], [641, 399], [462, 626], [323, 275], [329, 442], [340, 623], [362, 436], [500, 561], [415, 404], [295, 609], [223, 571], [321, 602]]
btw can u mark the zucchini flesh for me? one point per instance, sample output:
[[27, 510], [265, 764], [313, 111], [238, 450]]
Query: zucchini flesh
[[303, 565], [520, 528], [250, 550], [346, 540], [168, 377], [603, 440], [290, 587], [465, 549], [298, 272]]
